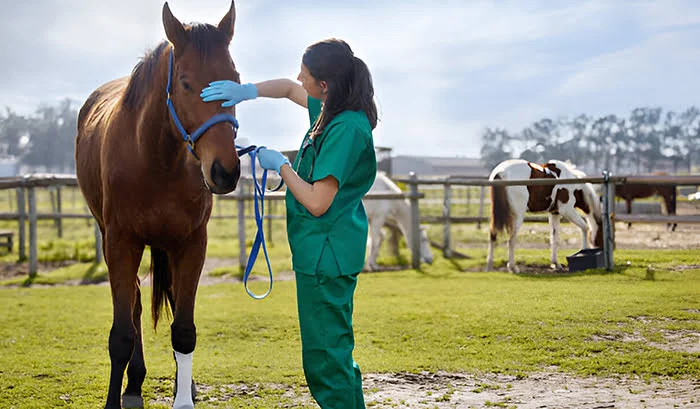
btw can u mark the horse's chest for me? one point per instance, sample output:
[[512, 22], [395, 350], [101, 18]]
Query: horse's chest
[[160, 215], [539, 198], [546, 198]]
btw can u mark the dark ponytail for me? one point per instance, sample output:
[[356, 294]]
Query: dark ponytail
[[347, 77], [362, 92]]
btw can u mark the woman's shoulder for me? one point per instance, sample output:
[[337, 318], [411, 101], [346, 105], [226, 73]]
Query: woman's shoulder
[[355, 120]]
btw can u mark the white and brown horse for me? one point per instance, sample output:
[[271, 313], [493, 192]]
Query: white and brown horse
[[509, 204]]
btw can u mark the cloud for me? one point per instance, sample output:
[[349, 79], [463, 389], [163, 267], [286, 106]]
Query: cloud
[[668, 14], [659, 70], [442, 70]]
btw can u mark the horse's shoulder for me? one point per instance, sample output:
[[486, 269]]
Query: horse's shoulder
[[102, 98]]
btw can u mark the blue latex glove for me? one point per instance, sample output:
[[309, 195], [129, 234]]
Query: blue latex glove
[[229, 91], [271, 159]]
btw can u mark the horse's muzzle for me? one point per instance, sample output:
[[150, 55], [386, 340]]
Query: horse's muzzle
[[222, 181]]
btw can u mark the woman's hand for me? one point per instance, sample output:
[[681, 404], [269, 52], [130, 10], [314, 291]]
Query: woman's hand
[[229, 91], [271, 159]]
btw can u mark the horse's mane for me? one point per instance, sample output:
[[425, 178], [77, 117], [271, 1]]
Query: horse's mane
[[203, 37]]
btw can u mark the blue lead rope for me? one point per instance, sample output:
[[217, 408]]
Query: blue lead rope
[[259, 202]]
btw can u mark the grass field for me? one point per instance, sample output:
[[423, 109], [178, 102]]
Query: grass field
[[54, 339], [634, 322]]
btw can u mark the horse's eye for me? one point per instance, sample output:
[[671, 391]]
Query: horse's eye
[[186, 85]]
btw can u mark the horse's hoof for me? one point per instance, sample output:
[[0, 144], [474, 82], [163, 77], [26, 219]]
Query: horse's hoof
[[132, 402], [513, 269], [556, 267]]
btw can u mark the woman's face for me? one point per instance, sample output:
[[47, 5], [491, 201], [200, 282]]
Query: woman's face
[[314, 88]]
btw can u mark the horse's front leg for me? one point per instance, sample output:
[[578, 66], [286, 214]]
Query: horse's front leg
[[574, 217], [628, 204], [123, 255], [136, 372], [186, 264], [554, 227]]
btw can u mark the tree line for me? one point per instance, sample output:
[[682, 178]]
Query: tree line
[[643, 142], [43, 140]]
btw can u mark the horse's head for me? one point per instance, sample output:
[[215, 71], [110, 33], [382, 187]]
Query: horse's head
[[201, 56], [426, 254]]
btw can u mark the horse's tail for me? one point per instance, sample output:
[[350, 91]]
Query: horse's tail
[[501, 216], [160, 276]]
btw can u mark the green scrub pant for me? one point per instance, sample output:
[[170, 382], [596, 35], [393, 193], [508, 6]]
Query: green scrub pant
[[325, 304]]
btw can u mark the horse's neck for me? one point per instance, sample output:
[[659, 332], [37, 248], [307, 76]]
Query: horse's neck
[[158, 145]]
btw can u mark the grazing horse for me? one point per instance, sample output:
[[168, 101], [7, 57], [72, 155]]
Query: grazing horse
[[509, 204], [392, 213], [149, 154], [631, 191]]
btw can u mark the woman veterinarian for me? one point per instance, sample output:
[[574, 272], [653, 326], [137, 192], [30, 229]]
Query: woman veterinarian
[[326, 221]]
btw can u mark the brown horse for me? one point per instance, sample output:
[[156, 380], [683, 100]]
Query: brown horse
[[631, 191], [148, 179]]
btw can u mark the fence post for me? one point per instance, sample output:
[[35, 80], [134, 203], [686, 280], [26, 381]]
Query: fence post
[[98, 243], [469, 198], [415, 222], [21, 221], [59, 220], [270, 207], [242, 259], [446, 228], [481, 207], [33, 256], [608, 203]]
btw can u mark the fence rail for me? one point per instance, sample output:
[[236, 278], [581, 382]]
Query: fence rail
[[27, 213]]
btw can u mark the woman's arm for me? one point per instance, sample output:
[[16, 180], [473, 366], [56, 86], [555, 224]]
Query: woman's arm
[[316, 197], [282, 88]]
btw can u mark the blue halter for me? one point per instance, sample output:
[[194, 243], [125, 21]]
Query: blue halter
[[259, 191], [190, 140]]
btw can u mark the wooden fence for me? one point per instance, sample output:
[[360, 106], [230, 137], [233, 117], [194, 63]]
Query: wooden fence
[[26, 186], [608, 206]]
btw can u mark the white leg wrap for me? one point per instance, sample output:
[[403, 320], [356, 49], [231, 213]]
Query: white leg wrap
[[183, 398]]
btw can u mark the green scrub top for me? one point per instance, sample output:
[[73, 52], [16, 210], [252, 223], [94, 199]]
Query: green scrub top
[[345, 150]]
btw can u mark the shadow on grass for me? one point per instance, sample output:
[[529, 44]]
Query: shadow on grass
[[94, 275], [539, 271], [29, 280]]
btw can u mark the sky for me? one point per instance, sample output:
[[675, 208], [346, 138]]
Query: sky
[[443, 70]]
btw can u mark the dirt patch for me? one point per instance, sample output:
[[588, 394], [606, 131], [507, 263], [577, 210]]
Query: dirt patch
[[11, 270], [679, 341], [541, 390], [674, 340], [455, 390]]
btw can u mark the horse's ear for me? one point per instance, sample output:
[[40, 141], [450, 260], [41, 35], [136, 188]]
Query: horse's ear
[[174, 30], [227, 23]]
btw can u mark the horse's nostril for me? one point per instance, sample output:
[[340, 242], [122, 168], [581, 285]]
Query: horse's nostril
[[222, 179]]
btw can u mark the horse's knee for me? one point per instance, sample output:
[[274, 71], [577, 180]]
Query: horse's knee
[[122, 340], [183, 337]]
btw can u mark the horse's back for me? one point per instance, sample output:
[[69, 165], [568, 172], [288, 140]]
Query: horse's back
[[93, 123]]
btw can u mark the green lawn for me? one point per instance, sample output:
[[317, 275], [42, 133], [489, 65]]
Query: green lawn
[[53, 340]]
